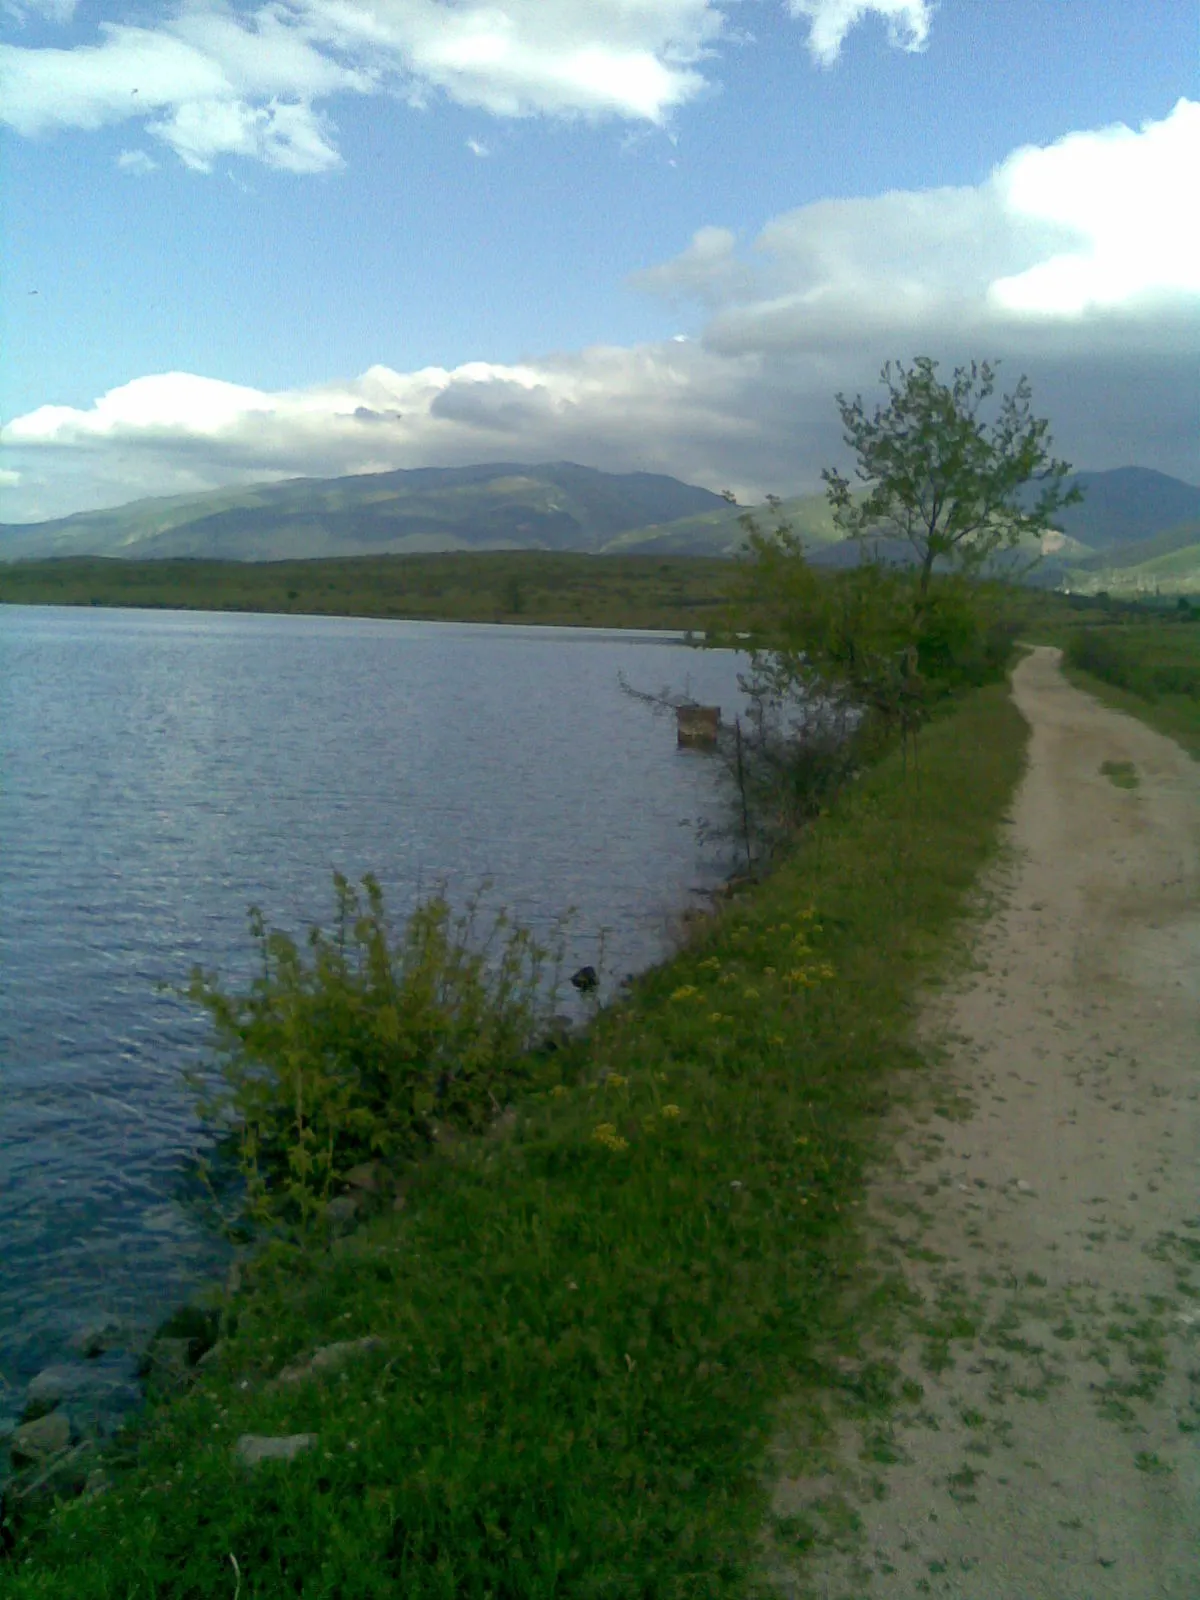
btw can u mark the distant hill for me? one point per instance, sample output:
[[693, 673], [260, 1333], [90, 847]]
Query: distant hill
[[1129, 516], [1169, 563], [719, 533], [1127, 505], [501, 506]]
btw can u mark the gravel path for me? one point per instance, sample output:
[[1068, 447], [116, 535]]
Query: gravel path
[[1052, 1227]]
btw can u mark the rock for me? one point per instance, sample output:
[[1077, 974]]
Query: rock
[[329, 1358], [340, 1213], [98, 1337], [51, 1386], [33, 1443], [254, 1448], [63, 1476], [364, 1176], [212, 1355], [168, 1362], [585, 980]]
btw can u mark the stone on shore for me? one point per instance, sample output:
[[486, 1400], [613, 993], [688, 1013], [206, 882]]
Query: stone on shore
[[255, 1448], [33, 1443], [330, 1358]]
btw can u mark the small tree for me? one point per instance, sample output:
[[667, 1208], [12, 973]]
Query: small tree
[[937, 476]]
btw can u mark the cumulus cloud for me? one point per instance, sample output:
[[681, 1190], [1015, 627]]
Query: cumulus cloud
[[136, 161], [824, 296], [831, 20], [209, 80]]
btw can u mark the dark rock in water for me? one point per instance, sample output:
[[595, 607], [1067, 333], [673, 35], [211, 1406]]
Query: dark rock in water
[[585, 980], [98, 1337], [70, 1381]]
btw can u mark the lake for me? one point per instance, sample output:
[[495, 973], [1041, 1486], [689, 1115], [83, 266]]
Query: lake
[[161, 771]]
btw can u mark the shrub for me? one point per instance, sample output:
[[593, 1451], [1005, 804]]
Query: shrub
[[361, 1046]]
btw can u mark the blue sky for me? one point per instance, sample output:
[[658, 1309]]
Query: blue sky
[[343, 235]]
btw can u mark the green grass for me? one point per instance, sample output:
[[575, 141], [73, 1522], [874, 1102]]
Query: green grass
[[1151, 670], [585, 1339], [1121, 774], [508, 586]]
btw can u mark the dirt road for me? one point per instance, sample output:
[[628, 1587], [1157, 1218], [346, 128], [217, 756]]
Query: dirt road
[[1052, 1451]]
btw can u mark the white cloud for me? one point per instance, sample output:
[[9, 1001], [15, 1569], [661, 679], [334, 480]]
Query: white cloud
[[136, 161], [831, 20], [210, 80], [1124, 195], [53, 10], [9, 478], [478, 148], [826, 295]]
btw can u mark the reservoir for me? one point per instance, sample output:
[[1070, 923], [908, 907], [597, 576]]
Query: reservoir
[[162, 771]]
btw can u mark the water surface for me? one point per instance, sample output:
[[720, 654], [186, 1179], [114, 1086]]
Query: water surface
[[161, 771]]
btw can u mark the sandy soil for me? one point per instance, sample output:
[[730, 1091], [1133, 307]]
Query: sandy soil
[[1051, 1228]]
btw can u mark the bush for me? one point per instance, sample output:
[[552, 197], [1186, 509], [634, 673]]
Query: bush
[[362, 1046], [1098, 653]]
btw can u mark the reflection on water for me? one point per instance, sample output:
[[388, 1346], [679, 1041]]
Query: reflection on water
[[159, 772]]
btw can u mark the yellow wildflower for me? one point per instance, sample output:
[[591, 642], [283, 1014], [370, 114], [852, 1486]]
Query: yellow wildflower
[[605, 1133], [770, 971], [685, 992], [776, 1038], [715, 1016], [670, 1111], [711, 963], [559, 1090], [749, 994], [616, 1081]]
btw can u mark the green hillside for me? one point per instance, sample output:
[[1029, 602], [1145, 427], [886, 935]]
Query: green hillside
[[499, 506], [1168, 564], [719, 533]]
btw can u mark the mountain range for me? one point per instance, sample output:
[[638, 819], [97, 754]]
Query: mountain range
[[1135, 528]]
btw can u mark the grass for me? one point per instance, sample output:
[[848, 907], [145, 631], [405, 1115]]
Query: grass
[[1121, 774], [526, 586], [1150, 670], [588, 1322]]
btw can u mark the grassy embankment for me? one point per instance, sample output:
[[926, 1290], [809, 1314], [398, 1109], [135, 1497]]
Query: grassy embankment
[[522, 586], [1151, 670], [586, 1338]]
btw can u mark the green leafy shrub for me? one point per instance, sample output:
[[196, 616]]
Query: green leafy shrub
[[362, 1046]]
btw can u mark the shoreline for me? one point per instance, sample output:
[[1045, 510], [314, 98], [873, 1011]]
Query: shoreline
[[717, 1152]]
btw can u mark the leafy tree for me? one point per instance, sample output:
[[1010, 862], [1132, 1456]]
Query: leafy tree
[[953, 486]]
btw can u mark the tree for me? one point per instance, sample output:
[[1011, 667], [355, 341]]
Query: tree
[[954, 487]]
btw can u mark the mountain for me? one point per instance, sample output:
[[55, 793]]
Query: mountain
[[1124, 517], [719, 533], [1127, 505], [501, 506]]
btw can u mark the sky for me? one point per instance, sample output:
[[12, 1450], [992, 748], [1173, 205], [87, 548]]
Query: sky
[[244, 242]]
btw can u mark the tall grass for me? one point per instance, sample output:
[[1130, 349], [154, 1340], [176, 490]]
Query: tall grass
[[1151, 670], [589, 1314]]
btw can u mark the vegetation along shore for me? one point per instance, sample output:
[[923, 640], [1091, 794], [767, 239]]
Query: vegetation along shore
[[524, 1314]]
